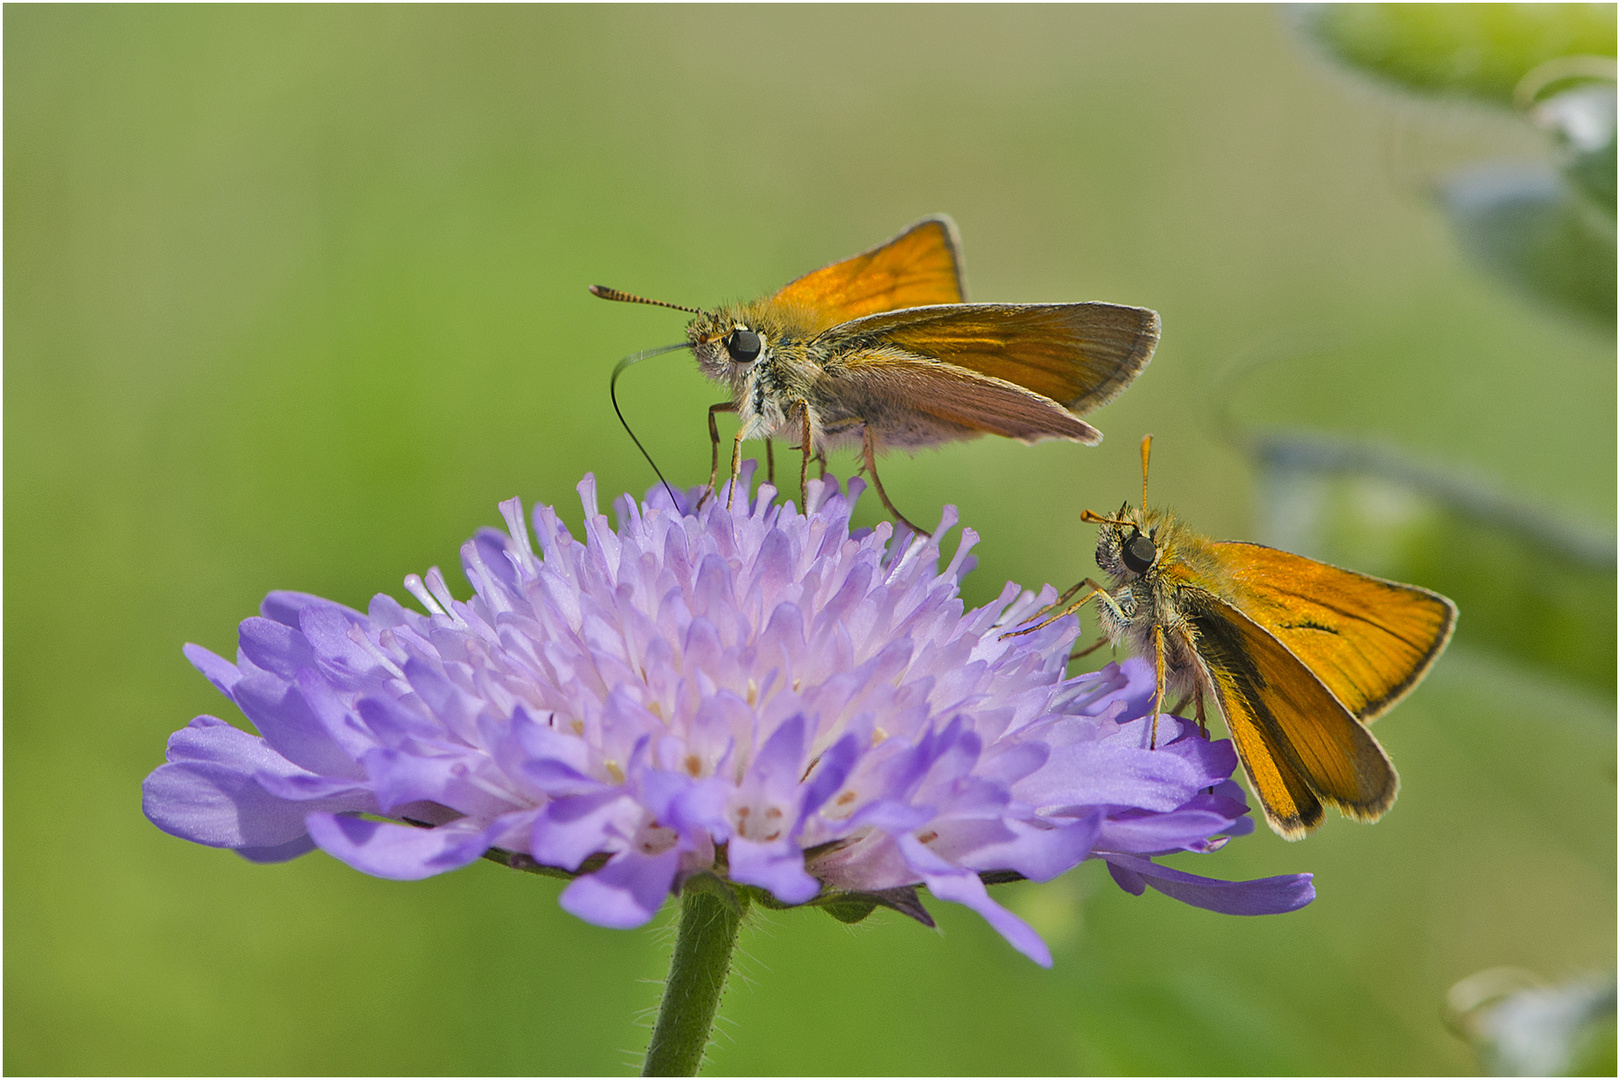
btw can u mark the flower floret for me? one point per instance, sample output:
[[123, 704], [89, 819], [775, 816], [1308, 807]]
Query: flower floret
[[764, 697]]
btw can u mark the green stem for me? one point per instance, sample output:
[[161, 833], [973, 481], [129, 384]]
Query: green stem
[[697, 978]]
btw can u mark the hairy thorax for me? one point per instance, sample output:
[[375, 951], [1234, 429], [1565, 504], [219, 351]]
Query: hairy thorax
[[769, 389], [1156, 597], [839, 385]]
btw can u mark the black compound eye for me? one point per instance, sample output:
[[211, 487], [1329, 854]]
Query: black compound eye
[[1138, 553], [743, 345]]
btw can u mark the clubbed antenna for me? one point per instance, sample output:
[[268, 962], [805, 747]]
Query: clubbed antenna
[[631, 298]]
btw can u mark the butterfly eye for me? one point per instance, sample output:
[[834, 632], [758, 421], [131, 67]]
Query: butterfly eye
[[743, 345], [1138, 553]]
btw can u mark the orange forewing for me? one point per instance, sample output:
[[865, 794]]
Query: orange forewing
[[1369, 640], [1079, 355], [920, 266], [1297, 742]]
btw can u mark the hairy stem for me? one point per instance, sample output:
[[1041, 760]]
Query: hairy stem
[[697, 979]]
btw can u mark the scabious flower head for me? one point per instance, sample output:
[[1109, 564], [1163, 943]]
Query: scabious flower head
[[747, 696]]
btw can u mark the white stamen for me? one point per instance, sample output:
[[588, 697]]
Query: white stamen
[[415, 586], [523, 556], [441, 592]]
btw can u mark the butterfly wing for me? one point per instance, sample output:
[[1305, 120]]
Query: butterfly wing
[[1368, 640], [914, 401], [922, 265], [1300, 746], [1017, 370], [1079, 355]]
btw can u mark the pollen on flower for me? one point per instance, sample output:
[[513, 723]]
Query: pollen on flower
[[809, 698], [655, 839], [756, 824]]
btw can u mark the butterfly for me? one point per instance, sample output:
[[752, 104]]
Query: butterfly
[[1298, 656], [880, 351]]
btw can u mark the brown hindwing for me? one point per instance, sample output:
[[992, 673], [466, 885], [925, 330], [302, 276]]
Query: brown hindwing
[[1079, 355]]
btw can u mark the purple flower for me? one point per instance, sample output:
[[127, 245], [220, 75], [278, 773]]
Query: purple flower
[[753, 695]]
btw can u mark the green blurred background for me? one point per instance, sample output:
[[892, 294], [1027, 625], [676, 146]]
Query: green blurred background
[[294, 296]]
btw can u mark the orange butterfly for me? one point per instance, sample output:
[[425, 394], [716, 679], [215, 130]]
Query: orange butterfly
[[1297, 655], [880, 350]]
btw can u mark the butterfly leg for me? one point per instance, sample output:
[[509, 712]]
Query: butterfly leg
[[736, 467], [1158, 687], [869, 456], [770, 464], [804, 463], [1064, 599], [1088, 650], [1054, 606], [714, 446]]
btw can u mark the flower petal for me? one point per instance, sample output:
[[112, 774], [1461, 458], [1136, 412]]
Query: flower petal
[[217, 670], [1106, 773], [1263, 896], [778, 867], [965, 888], [208, 792], [571, 830], [1039, 854], [398, 852], [278, 709], [626, 893], [302, 845]]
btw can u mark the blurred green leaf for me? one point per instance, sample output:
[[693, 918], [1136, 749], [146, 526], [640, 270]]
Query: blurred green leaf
[[1584, 121], [1525, 583], [1521, 1027], [1592, 172], [1598, 1056], [1483, 50], [1528, 227]]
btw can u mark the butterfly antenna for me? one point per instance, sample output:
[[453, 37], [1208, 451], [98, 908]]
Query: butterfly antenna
[[1091, 517], [1147, 445], [631, 298], [613, 396]]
